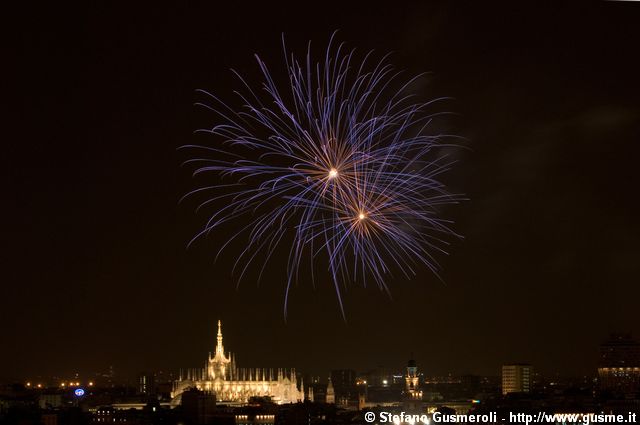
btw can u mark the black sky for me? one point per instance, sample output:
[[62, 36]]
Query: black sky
[[95, 270]]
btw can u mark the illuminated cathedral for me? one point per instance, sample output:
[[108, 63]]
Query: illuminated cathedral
[[229, 383]]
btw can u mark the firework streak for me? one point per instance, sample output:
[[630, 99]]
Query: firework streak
[[336, 165]]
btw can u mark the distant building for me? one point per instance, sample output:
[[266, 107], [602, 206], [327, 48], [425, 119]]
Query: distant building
[[198, 406], [111, 414], [362, 401], [49, 419], [344, 385], [50, 401], [147, 384], [221, 376], [619, 365], [412, 394], [262, 419], [330, 395], [516, 378], [379, 377], [412, 381]]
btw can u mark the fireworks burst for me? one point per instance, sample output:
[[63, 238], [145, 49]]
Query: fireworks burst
[[336, 164]]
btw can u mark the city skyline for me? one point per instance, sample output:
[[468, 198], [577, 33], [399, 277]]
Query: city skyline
[[126, 378], [97, 272]]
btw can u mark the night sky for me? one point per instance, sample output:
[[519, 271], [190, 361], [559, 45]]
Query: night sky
[[95, 266]]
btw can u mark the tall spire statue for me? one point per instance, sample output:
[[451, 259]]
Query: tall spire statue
[[219, 346], [217, 367]]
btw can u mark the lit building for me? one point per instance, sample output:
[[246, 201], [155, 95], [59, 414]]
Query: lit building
[[229, 383], [331, 395], [262, 419], [412, 394], [516, 378], [412, 381], [619, 366], [146, 384]]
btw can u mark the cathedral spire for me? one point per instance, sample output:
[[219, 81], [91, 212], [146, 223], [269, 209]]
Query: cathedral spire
[[219, 347]]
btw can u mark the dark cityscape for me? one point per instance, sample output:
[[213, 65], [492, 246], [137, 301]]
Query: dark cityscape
[[321, 213]]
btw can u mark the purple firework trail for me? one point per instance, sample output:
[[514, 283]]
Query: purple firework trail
[[335, 164]]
